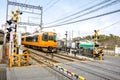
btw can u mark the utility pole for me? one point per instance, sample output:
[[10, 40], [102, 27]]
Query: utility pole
[[41, 21], [78, 33], [72, 34], [66, 34], [69, 39]]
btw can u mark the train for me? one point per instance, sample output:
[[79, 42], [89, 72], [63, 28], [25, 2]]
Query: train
[[45, 41]]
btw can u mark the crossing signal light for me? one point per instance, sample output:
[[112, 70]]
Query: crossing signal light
[[9, 22], [95, 34], [9, 29], [8, 37], [15, 17], [96, 45]]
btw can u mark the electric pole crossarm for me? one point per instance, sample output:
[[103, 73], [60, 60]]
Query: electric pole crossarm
[[31, 24], [31, 12], [24, 5]]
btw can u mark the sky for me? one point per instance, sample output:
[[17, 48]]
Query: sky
[[57, 9]]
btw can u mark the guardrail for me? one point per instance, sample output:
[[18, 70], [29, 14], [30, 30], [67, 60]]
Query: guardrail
[[109, 52], [18, 59]]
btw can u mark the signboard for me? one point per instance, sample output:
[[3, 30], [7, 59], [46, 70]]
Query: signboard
[[117, 50]]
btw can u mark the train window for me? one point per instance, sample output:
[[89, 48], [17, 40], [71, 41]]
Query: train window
[[32, 38], [29, 39], [55, 37], [51, 38], [45, 37], [35, 38], [22, 39]]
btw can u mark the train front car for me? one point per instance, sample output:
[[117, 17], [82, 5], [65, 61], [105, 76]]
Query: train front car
[[45, 41], [49, 41]]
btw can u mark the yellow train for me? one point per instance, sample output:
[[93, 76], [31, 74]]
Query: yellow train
[[45, 41]]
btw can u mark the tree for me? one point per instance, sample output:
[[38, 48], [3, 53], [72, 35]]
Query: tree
[[27, 33]]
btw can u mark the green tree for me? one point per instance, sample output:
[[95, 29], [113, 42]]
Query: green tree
[[27, 33]]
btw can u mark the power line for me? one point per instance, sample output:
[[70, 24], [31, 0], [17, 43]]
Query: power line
[[110, 25], [104, 6], [57, 25], [70, 12], [90, 32], [51, 5], [80, 11]]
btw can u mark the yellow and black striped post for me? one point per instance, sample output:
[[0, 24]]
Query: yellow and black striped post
[[97, 50], [95, 38], [15, 21], [15, 40], [15, 57]]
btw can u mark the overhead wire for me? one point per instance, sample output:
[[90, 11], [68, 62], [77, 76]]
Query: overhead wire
[[104, 6], [70, 12], [109, 25], [47, 4], [85, 19], [81, 11], [51, 5]]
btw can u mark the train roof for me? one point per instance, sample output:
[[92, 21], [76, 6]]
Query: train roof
[[38, 33]]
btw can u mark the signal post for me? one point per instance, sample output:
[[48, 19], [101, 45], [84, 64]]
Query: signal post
[[15, 58], [97, 52]]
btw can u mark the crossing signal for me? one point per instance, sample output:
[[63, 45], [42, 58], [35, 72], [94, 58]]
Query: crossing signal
[[8, 37], [9, 22], [95, 36], [15, 17]]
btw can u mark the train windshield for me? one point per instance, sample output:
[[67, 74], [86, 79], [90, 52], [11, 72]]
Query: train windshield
[[45, 37], [52, 37]]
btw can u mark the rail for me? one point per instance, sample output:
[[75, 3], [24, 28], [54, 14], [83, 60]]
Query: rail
[[69, 74]]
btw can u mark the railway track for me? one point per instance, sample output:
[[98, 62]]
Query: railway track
[[101, 68], [63, 57], [111, 66], [39, 58], [73, 58], [94, 70], [53, 56], [94, 73], [34, 57], [110, 63], [45, 57]]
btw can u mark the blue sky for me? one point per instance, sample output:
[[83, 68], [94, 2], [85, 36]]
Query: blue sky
[[64, 8]]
